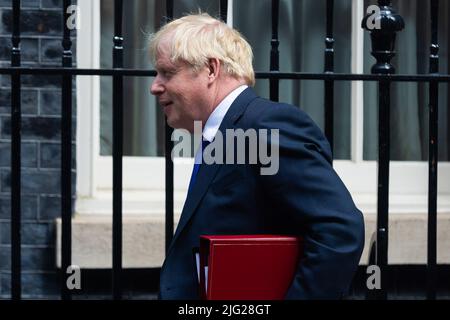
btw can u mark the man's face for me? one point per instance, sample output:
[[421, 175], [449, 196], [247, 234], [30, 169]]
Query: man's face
[[182, 92]]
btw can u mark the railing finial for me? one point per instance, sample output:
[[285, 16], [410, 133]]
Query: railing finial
[[383, 24]]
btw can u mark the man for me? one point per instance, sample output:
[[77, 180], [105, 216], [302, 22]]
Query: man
[[204, 73]]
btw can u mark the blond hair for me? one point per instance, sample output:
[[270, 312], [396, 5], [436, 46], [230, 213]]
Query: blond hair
[[198, 37]]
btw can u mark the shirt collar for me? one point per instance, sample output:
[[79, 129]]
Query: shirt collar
[[215, 119]]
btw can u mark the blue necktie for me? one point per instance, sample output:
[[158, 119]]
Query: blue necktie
[[205, 143]]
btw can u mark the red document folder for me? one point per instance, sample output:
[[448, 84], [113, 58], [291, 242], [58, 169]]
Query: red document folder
[[247, 267]]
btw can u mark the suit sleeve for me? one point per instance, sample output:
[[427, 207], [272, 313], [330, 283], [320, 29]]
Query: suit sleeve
[[313, 202]]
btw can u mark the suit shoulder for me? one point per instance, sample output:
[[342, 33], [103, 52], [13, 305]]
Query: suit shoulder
[[292, 123], [261, 105], [261, 110]]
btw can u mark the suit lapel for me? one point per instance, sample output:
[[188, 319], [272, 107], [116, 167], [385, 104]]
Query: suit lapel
[[207, 172]]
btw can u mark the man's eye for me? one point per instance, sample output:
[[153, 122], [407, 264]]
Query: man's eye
[[166, 74]]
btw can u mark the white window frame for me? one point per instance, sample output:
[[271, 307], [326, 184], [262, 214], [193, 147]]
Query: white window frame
[[144, 177]]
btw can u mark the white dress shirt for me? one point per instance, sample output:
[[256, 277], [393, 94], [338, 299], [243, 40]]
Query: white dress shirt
[[215, 119]]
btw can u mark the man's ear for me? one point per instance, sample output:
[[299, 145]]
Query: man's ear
[[214, 69]]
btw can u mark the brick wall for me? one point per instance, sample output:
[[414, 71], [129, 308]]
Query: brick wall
[[41, 31]]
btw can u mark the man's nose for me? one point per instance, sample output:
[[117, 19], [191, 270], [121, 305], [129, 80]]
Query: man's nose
[[156, 88]]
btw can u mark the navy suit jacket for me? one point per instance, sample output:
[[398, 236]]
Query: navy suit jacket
[[306, 198]]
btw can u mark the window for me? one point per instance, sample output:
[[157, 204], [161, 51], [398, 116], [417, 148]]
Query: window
[[141, 117], [301, 49], [409, 101], [302, 39]]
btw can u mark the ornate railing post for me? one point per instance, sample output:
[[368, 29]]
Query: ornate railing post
[[383, 24], [433, 113], [329, 68]]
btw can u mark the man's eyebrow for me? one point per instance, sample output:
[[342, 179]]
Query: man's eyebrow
[[165, 67]]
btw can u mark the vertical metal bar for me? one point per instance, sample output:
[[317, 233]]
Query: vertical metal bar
[[117, 152], [169, 162], [383, 46], [169, 188], [433, 155], [169, 10], [223, 10], [16, 120], [66, 156], [383, 185], [329, 68], [274, 54]]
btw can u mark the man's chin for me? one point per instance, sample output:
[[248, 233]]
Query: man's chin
[[172, 122], [178, 126]]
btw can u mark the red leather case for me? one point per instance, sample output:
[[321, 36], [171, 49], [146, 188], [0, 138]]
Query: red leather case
[[248, 267]]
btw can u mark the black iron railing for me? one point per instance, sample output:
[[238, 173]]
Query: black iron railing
[[329, 68], [433, 153], [66, 156], [383, 44], [16, 120], [383, 49], [169, 146], [117, 151]]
